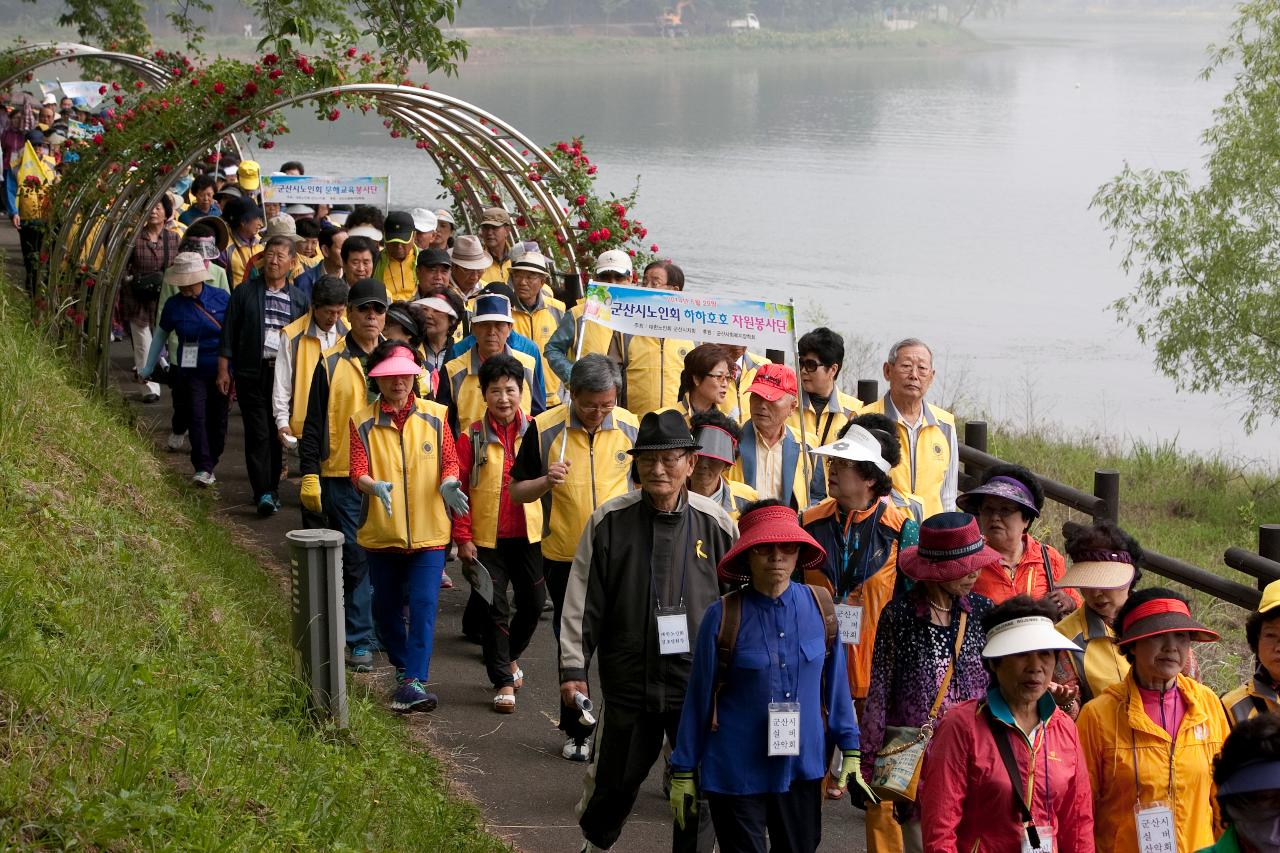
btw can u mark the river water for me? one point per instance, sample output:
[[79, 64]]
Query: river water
[[944, 198]]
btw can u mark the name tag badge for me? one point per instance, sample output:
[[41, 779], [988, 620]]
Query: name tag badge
[[1045, 836], [189, 355], [273, 339], [673, 631], [1155, 828], [849, 623], [784, 728]]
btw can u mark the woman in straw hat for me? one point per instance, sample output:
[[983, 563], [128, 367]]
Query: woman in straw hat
[[404, 462], [927, 657], [194, 317], [760, 771], [1104, 568], [1150, 740], [1013, 747]]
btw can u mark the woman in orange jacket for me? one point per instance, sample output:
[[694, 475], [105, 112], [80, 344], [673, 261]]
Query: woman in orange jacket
[[1150, 740]]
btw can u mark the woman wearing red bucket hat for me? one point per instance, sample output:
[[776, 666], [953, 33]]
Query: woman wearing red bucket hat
[[1150, 739], [766, 664], [927, 659]]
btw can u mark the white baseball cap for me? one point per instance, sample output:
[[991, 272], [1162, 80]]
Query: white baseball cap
[[366, 231], [423, 219], [614, 260]]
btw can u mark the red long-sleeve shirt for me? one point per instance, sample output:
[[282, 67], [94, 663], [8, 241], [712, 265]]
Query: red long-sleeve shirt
[[511, 523], [360, 461]]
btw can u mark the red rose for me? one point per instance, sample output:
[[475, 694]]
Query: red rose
[[102, 90], [275, 73], [118, 99], [605, 234], [395, 134], [593, 237], [138, 84], [654, 248], [270, 59], [351, 52], [620, 210], [271, 144], [219, 88], [250, 89], [580, 201], [115, 86], [334, 113], [584, 224], [591, 170]]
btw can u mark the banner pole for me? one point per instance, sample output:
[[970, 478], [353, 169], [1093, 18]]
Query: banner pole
[[582, 336], [804, 432]]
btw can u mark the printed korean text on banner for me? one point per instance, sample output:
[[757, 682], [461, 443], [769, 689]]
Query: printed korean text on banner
[[315, 189], [80, 130], [692, 316]]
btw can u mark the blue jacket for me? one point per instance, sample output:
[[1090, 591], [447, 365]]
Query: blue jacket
[[780, 656], [184, 317], [192, 213]]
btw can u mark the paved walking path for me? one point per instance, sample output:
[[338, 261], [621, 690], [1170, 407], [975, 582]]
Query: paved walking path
[[510, 765]]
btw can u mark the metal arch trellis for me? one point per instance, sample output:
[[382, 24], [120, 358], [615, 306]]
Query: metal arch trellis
[[48, 53], [458, 136]]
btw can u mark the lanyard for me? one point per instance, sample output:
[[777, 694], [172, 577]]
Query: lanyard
[[774, 649], [1133, 745], [847, 585]]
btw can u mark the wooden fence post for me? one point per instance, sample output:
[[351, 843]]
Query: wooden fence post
[[1106, 485], [868, 391], [1268, 545]]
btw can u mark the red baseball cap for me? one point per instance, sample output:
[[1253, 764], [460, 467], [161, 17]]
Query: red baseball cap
[[774, 380]]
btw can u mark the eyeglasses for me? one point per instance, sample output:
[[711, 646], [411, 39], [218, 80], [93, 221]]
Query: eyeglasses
[[669, 459], [809, 365], [998, 511], [718, 377], [596, 408], [764, 549]]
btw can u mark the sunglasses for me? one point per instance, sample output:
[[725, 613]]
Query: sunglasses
[[767, 548], [376, 307], [809, 365]]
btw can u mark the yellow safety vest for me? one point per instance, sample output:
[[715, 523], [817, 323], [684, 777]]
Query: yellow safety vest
[[239, 254], [487, 483], [305, 351], [463, 374], [348, 394], [923, 468], [497, 271], [400, 277], [538, 326], [598, 337], [651, 371], [411, 461], [599, 469]]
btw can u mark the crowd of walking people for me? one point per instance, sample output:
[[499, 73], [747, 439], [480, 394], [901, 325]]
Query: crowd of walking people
[[778, 588]]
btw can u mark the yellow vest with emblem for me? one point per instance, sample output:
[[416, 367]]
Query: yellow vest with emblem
[[923, 468], [410, 460], [599, 469], [538, 326], [651, 371], [306, 355], [598, 337], [463, 375], [348, 394], [486, 487]]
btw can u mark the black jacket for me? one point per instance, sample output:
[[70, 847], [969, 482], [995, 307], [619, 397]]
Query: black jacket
[[628, 552], [244, 329]]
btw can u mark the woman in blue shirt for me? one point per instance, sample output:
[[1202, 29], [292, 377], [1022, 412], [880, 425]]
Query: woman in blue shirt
[[195, 316], [768, 701]]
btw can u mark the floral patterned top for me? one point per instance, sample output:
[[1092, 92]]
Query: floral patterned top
[[910, 659]]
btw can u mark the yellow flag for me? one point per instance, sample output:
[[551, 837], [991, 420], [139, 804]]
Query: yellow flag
[[32, 164]]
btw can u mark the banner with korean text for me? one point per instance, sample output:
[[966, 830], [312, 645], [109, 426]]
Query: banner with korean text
[[315, 189], [698, 317]]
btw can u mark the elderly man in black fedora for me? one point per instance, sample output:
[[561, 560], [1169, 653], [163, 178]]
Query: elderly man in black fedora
[[643, 575]]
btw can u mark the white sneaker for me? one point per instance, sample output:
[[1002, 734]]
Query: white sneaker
[[176, 442], [204, 479], [575, 751]]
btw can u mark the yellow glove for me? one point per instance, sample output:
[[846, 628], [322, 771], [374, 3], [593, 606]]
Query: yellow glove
[[684, 796], [311, 493], [850, 769]]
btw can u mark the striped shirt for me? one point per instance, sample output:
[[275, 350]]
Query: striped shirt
[[277, 313]]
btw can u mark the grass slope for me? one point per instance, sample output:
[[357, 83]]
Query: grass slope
[[146, 695]]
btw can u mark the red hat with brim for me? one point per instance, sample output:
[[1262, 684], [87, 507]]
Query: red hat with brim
[[1162, 616], [764, 526], [951, 546]]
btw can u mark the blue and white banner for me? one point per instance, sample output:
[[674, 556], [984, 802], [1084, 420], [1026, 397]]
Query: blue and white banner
[[692, 316], [314, 189]]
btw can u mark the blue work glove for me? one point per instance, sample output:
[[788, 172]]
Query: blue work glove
[[850, 770], [382, 491], [454, 498], [684, 796]]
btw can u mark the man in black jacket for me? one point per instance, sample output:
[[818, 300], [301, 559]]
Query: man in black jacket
[[643, 575], [258, 310]]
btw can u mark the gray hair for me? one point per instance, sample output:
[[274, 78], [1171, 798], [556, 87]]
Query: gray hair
[[903, 344], [593, 374]]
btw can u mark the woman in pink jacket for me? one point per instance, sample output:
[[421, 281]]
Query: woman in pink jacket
[[1005, 774]]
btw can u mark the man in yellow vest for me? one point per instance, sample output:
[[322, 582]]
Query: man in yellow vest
[[460, 386], [930, 465], [573, 459], [495, 234], [824, 407], [338, 390], [576, 336], [499, 535], [536, 315], [398, 266], [302, 342], [651, 366], [771, 458]]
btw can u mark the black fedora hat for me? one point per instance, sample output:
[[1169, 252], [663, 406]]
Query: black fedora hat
[[663, 431]]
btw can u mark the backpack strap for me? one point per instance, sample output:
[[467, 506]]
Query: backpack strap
[[726, 641], [827, 607]]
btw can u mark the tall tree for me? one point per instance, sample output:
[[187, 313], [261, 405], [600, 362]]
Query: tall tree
[[1207, 256]]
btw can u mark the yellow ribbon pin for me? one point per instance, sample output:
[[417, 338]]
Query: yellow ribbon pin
[[698, 550]]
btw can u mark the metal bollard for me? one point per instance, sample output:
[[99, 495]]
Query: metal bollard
[[868, 391], [318, 629]]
